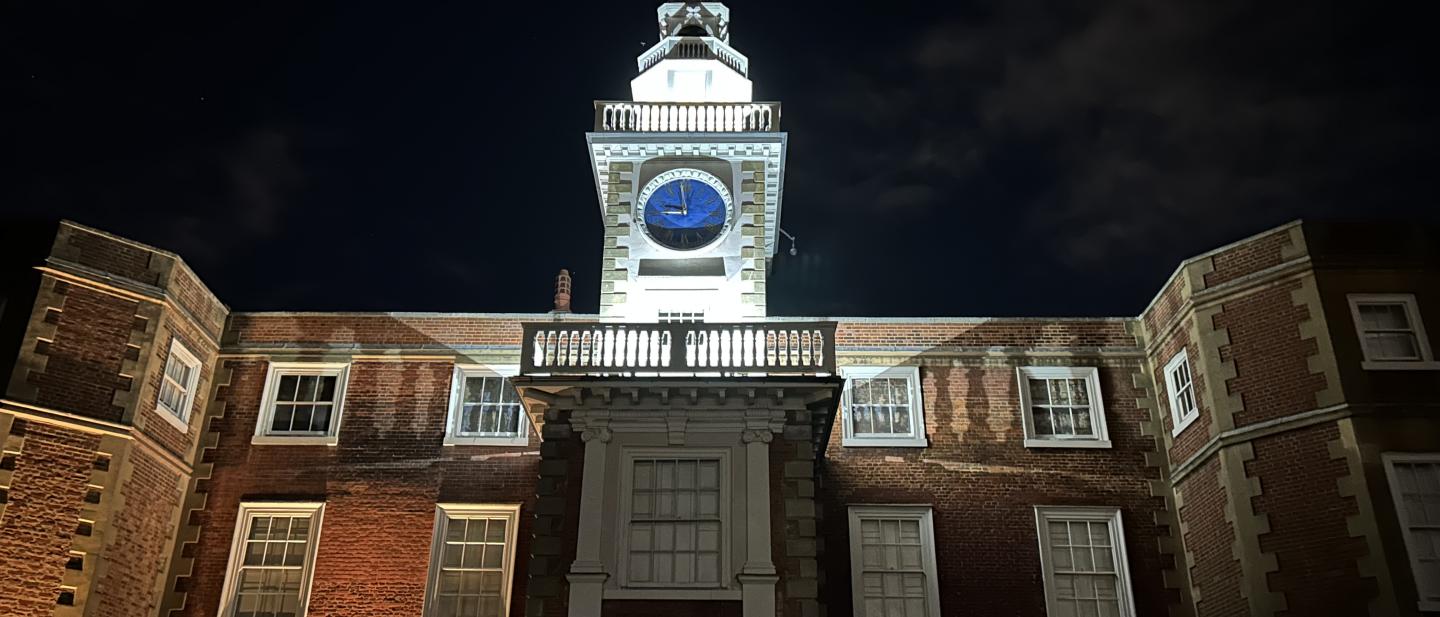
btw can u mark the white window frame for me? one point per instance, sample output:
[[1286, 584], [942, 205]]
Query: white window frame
[[916, 438], [1091, 376], [250, 510], [339, 370], [1390, 459], [1182, 358], [1043, 514], [457, 392], [726, 589], [1426, 361], [922, 513], [444, 512], [179, 417]]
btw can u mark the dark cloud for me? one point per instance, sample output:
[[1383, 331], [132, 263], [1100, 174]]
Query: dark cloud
[[258, 177], [998, 157], [1119, 136]]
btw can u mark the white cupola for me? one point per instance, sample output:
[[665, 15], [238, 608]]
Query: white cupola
[[693, 62]]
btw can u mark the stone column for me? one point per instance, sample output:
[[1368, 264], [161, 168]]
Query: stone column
[[587, 574], [757, 577]]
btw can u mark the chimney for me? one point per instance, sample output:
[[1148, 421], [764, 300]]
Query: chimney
[[562, 292]]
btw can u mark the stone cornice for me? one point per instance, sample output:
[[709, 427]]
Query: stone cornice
[[95, 426]]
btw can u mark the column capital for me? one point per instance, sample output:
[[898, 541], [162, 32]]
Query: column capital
[[762, 435], [601, 433]]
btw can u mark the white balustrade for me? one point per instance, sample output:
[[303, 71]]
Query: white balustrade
[[597, 348], [694, 48], [618, 116]]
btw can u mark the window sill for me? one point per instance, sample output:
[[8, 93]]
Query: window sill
[[175, 421], [672, 594], [298, 440], [1400, 366], [1180, 428], [1067, 443], [488, 441], [870, 442]]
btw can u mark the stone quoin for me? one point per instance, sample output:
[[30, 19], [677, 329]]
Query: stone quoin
[[1262, 439]]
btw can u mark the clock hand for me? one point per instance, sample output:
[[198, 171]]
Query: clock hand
[[684, 207]]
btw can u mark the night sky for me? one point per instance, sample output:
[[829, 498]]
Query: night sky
[[1002, 158]]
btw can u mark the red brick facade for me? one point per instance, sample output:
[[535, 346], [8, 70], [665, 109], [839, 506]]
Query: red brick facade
[[1272, 502]]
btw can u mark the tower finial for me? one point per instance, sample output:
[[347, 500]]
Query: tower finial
[[694, 19]]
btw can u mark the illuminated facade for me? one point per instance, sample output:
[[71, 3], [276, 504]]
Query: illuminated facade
[[1261, 439]]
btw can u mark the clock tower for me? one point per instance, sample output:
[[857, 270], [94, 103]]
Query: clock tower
[[689, 175]]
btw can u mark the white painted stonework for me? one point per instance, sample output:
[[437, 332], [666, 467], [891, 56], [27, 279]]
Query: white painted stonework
[[694, 90]]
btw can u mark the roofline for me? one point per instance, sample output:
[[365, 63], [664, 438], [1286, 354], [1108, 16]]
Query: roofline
[[418, 314], [1211, 253], [179, 261], [120, 239], [596, 316]]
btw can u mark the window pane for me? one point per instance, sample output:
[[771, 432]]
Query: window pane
[[470, 418], [281, 421], [1392, 346], [286, 390], [1079, 392], [509, 421], [270, 572], [1044, 426], [883, 418], [900, 391], [1082, 422], [320, 419], [860, 391], [862, 420], [901, 421], [474, 386], [307, 389], [1063, 423], [892, 570], [1417, 492], [326, 391], [1084, 578], [674, 531], [490, 392], [1390, 316], [301, 420], [1039, 392], [471, 571], [1058, 394]]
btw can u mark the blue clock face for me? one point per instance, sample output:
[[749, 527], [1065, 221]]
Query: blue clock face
[[685, 214]]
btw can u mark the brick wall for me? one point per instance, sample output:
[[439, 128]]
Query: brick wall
[[1250, 256], [82, 370], [346, 329], [258, 329], [1308, 533], [985, 333], [380, 485], [1273, 374], [47, 492], [143, 530], [106, 253], [1210, 539], [983, 485]]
